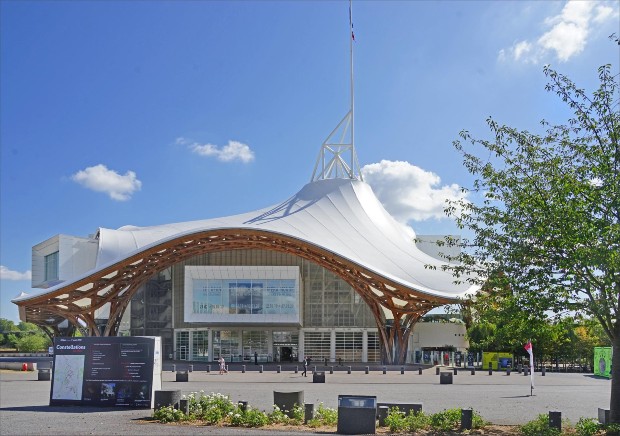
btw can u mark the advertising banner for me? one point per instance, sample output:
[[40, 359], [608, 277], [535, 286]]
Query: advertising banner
[[602, 361], [106, 371], [497, 360]]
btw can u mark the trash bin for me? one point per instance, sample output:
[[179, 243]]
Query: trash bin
[[318, 377], [357, 414]]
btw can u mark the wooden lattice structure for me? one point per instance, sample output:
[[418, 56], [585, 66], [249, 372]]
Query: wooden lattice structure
[[77, 301]]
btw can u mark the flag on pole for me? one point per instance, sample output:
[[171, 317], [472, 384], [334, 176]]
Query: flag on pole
[[351, 21], [528, 348]]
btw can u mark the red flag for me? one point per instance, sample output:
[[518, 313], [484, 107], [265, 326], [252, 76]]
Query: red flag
[[528, 347]]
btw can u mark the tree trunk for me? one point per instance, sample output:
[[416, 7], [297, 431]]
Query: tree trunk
[[614, 402]]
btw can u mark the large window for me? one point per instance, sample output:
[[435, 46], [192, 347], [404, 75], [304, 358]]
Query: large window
[[317, 345], [242, 294], [200, 345], [226, 344], [182, 345], [51, 266], [349, 346]]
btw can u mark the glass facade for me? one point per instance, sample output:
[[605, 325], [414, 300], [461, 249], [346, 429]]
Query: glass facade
[[200, 345]]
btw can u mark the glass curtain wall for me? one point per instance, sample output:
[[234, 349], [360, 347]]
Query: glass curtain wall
[[349, 346], [255, 342], [200, 345], [226, 344]]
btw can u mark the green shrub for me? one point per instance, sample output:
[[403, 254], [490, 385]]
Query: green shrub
[[446, 420], [539, 427], [416, 421], [396, 420], [326, 415], [255, 418], [277, 416], [587, 427], [168, 414]]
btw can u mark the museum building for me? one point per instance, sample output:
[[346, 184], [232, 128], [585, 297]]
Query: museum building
[[326, 273]]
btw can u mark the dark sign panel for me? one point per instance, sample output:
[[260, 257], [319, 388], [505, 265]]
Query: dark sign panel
[[106, 371]]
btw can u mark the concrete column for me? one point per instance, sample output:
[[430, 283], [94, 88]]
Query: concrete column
[[210, 344], [270, 345], [301, 351], [364, 346], [332, 346]]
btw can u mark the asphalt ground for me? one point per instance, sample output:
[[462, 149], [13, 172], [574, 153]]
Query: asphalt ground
[[499, 398]]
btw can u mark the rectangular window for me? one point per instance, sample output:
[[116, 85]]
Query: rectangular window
[[51, 266]]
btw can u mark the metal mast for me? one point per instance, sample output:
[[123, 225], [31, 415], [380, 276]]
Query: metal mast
[[332, 162]]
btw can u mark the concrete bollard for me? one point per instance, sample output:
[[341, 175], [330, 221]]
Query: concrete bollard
[[190, 368], [437, 370], [260, 369], [243, 369], [296, 369], [208, 368], [544, 371], [402, 369], [308, 412], [473, 371], [508, 371], [279, 369], [455, 371], [519, 368], [331, 369], [467, 417], [349, 370], [174, 368], [555, 420], [367, 369], [420, 371], [384, 370]]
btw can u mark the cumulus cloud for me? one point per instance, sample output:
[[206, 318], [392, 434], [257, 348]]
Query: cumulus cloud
[[566, 35], [408, 192], [232, 151], [9, 274], [101, 179]]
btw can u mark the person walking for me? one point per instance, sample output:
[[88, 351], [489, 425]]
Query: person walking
[[222, 365], [305, 373]]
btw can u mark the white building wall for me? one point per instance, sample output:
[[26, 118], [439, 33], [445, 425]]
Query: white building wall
[[75, 256]]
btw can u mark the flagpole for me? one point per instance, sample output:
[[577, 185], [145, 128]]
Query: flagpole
[[351, 37]]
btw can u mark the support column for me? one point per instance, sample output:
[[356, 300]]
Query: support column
[[332, 345], [210, 345], [365, 346], [301, 352]]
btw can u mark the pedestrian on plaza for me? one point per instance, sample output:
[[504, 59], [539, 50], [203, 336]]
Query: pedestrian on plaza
[[305, 373], [255, 358], [222, 365]]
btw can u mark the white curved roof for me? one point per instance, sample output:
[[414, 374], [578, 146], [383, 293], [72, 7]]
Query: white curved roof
[[340, 215]]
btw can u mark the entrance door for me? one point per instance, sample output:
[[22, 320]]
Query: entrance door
[[286, 354], [182, 353]]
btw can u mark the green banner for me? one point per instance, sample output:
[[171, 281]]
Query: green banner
[[602, 361], [498, 360]]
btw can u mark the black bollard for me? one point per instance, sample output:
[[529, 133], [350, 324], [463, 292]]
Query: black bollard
[[544, 371], [367, 370], [473, 371], [455, 371], [208, 368], [260, 369], [384, 370], [467, 417], [190, 368], [555, 420], [279, 369], [402, 369], [243, 369], [420, 371], [296, 369], [243, 405], [508, 371], [174, 368], [437, 370], [331, 369], [349, 370]]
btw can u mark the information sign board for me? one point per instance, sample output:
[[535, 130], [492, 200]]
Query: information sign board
[[106, 371], [602, 361]]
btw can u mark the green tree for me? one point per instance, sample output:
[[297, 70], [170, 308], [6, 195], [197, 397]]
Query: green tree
[[31, 343], [549, 220]]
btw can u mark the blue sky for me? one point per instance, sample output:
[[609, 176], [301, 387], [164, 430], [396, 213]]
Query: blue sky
[[151, 112]]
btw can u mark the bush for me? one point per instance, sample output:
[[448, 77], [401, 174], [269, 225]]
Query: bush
[[587, 427], [324, 416], [31, 343], [417, 421], [446, 420], [168, 414], [254, 418], [396, 420], [539, 427]]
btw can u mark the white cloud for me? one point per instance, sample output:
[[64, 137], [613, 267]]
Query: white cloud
[[567, 33], [232, 151], [8, 274], [99, 178], [408, 192]]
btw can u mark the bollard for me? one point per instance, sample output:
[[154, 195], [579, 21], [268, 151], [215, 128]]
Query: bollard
[[326, 361], [340, 361], [331, 369], [437, 370], [243, 369], [519, 368], [555, 420], [467, 416], [384, 370], [349, 370], [382, 414], [260, 369], [190, 368], [402, 369], [279, 369], [308, 412], [525, 370], [455, 372], [544, 370], [367, 370], [184, 405], [243, 406], [420, 371], [473, 371], [490, 371], [174, 368], [296, 369], [208, 368], [508, 371]]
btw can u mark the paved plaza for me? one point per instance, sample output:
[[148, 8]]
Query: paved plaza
[[499, 398]]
